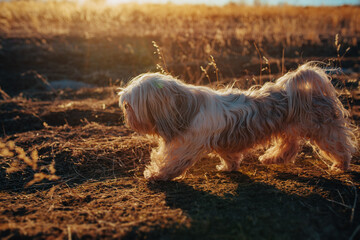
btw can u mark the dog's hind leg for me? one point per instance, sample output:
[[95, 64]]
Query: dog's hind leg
[[336, 144], [283, 151], [229, 161]]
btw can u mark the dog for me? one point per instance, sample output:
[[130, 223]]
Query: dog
[[192, 121]]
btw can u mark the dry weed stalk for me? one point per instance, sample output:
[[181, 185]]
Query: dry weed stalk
[[352, 206], [213, 64], [206, 73], [339, 59], [267, 62], [353, 235], [216, 70], [268, 66], [4, 95], [160, 54], [283, 62], [261, 69], [21, 161], [338, 48]]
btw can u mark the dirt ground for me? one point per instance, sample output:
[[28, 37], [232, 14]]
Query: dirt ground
[[101, 192], [70, 169]]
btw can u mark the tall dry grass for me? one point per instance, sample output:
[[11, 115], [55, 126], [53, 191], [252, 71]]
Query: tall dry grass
[[205, 28], [286, 23], [188, 35]]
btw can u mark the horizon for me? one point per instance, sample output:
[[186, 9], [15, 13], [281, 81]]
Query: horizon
[[247, 2], [304, 3]]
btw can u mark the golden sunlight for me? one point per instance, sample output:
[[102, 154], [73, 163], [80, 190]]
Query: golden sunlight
[[110, 2], [204, 85], [115, 2]]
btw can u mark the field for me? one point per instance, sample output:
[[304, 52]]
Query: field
[[70, 169]]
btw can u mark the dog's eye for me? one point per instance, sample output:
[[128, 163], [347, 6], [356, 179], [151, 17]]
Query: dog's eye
[[126, 106]]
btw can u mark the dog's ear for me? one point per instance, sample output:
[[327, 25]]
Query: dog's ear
[[174, 111], [133, 122]]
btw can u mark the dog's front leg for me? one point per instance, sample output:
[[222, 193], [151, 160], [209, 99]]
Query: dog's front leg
[[229, 161], [171, 160]]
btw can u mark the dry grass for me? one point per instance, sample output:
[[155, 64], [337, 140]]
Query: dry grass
[[102, 193], [191, 38], [187, 34], [292, 25], [80, 137]]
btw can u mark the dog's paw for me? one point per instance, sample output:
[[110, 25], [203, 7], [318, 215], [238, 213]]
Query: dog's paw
[[270, 160], [222, 167], [227, 168], [155, 176], [344, 166], [149, 175]]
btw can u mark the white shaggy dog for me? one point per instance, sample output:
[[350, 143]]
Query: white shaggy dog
[[192, 121]]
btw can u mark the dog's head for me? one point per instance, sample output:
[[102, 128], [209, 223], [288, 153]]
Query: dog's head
[[158, 104]]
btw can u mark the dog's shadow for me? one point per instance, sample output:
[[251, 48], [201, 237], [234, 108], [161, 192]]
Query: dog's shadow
[[254, 210]]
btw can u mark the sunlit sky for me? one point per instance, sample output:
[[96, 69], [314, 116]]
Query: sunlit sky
[[222, 2]]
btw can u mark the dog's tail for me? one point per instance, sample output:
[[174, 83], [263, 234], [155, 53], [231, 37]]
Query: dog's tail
[[310, 85]]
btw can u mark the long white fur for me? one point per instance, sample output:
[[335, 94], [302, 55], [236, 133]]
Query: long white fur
[[191, 121]]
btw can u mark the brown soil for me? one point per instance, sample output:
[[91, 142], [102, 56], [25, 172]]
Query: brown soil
[[101, 192]]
